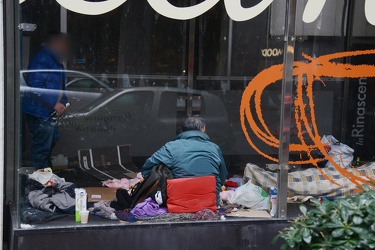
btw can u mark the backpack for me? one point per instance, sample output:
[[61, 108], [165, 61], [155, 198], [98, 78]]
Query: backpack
[[154, 186]]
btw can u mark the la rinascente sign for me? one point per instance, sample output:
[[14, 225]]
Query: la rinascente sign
[[234, 8]]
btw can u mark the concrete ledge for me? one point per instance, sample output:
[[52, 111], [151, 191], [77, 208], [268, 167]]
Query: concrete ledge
[[65, 234]]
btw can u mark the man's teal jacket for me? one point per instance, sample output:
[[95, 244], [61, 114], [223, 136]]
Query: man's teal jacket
[[191, 154]]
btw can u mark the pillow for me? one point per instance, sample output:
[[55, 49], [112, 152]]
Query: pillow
[[190, 195]]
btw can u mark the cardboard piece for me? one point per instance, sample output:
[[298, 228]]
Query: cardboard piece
[[95, 194], [247, 213], [108, 162]]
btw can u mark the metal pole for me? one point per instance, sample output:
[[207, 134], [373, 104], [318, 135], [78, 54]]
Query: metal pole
[[191, 65], [346, 90], [286, 108], [230, 45], [2, 127], [63, 20]]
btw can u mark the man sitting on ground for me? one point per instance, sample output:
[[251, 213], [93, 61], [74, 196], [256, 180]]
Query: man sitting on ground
[[191, 154]]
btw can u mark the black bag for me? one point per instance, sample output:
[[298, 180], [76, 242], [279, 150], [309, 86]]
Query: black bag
[[154, 186]]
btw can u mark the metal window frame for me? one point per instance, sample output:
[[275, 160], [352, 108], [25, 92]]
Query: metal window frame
[[286, 108], [12, 101]]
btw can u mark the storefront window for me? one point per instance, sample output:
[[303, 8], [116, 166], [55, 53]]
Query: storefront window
[[133, 75]]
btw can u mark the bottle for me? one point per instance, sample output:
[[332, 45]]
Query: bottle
[[357, 162], [81, 202], [273, 197], [55, 115]]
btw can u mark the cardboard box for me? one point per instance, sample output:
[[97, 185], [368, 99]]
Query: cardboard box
[[95, 194], [108, 162]]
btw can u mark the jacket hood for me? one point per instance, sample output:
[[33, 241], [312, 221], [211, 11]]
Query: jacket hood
[[192, 134]]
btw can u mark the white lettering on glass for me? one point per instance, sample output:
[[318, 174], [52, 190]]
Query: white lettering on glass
[[238, 13], [312, 10], [235, 10], [271, 52], [369, 11], [163, 7], [90, 8]]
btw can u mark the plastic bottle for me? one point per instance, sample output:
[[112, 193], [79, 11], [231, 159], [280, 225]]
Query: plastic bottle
[[55, 115], [357, 162], [81, 202], [273, 197]]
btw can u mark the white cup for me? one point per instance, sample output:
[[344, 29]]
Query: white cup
[[84, 216]]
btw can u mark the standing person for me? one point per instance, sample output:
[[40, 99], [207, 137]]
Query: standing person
[[191, 154], [46, 99]]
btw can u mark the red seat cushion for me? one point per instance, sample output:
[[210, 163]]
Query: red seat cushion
[[190, 195]]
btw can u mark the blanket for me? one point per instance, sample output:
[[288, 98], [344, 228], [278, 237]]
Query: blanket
[[310, 182]]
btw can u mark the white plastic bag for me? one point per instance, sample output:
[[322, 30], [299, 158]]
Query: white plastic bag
[[341, 154], [251, 196], [46, 178]]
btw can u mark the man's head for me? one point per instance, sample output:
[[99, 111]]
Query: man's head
[[194, 123], [59, 43]]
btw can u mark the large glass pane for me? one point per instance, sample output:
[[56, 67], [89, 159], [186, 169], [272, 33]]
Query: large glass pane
[[132, 76], [229, 59]]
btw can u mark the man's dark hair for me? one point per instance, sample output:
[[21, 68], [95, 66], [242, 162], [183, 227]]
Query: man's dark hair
[[55, 35], [194, 123]]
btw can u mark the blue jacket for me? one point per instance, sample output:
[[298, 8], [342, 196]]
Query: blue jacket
[[191, 154], [37, 101]]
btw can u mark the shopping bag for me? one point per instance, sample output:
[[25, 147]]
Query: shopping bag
[[251, 196], [46, 178], [340, 153]]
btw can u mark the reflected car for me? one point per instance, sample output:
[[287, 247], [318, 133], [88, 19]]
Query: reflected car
[[146, 118], [81, 88]]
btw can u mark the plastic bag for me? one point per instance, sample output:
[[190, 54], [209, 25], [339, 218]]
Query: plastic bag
[[251, 196], [340, 153], [46, 178]]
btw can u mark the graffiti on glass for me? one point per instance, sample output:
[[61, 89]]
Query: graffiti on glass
[[306, 74]]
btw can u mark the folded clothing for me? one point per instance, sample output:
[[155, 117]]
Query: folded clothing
[[148, 208], [231, 184], [190, 195], [103, 209], [123, 183], [57, 198]]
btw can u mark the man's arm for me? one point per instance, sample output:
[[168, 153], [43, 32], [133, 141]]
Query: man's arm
[[162, 156]]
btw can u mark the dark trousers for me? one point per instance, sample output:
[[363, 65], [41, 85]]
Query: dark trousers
[[45, 135]]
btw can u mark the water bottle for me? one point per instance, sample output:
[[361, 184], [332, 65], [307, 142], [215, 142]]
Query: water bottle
[[273, 196]]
